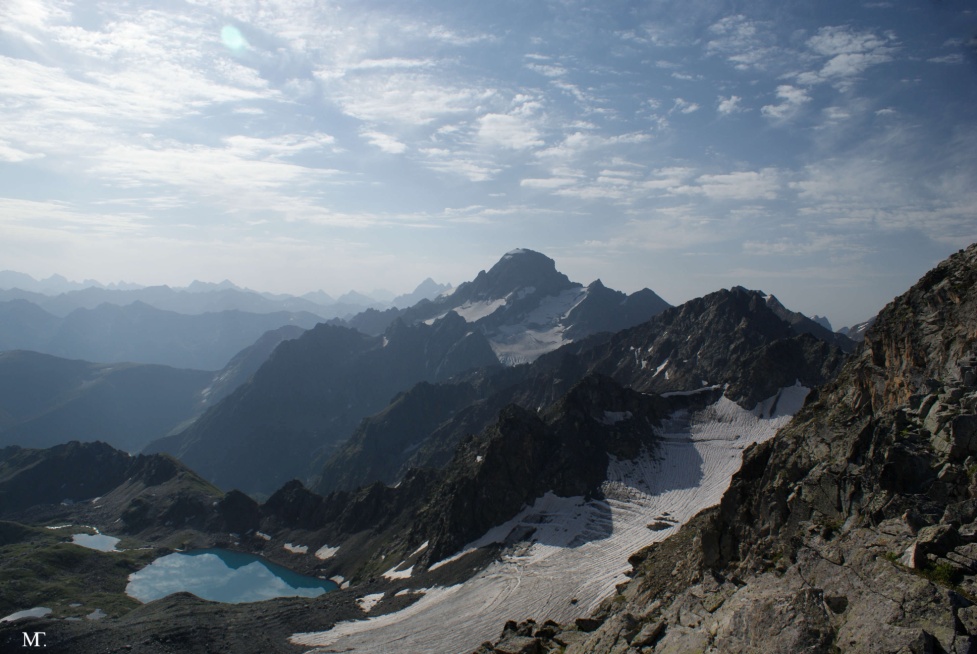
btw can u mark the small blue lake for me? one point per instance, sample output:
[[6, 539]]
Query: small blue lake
[[222, 576]]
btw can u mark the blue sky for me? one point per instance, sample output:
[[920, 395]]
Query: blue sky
[[825, 152]]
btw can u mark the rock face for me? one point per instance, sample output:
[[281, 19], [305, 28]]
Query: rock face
[[732, 337], [854, 529]]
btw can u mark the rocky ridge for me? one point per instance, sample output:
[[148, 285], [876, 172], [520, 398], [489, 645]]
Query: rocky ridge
[[855, 529]]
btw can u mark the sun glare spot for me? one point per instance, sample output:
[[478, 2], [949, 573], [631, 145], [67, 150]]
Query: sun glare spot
[[232, 38]]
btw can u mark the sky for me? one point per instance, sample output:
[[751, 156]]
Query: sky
[[823, 151]]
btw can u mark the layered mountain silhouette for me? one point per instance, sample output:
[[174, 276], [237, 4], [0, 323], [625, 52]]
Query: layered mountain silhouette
[[139, 333], [314, 391], [733, 341], [46, 400]]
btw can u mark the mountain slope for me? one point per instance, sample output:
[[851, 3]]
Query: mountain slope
[[310, 395], [45, 400], [856, 526]]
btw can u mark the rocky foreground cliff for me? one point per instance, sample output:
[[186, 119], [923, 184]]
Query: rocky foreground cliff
[[855, 529]]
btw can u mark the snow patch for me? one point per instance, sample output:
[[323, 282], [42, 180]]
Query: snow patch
[[704, 389], [36, 612], [660, 368], [474, 311], [394, 573], [326, 552], [420, 549], [296, 549], [450, 559], [262, 535], [367, 602]]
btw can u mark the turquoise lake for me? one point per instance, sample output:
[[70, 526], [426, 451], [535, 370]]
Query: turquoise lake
[[222, 576]]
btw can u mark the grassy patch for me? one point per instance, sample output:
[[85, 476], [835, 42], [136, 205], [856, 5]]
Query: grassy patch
[[38, 568], [941, 573]]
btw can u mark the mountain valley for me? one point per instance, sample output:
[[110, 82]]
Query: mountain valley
[[549, 467]]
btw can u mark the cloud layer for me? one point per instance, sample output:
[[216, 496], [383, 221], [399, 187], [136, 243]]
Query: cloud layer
[[340, 137]]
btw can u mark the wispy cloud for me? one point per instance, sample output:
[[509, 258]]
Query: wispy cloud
[[744, 43], [791, 99], [849, 53]]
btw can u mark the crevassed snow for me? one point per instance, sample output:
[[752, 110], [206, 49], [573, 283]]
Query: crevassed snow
[[515, 345], [326, 552], [573, 548], [296, 549], [541, 331]]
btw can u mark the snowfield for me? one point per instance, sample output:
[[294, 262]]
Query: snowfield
[[579, 549]]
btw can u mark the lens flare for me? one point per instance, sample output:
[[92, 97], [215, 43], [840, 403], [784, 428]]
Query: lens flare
[[232, 38]]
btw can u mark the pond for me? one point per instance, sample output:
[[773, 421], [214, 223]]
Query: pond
[[222, 576]]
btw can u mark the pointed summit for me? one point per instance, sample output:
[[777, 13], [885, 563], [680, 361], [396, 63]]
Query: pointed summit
[[519, 270]]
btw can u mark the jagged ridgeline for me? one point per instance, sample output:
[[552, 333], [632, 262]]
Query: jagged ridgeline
[[314, 391], [735, 342], [855, 529]]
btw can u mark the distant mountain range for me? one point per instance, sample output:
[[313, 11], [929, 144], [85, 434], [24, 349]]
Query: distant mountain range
[[60, 297], [47, 400], [139, 333]]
